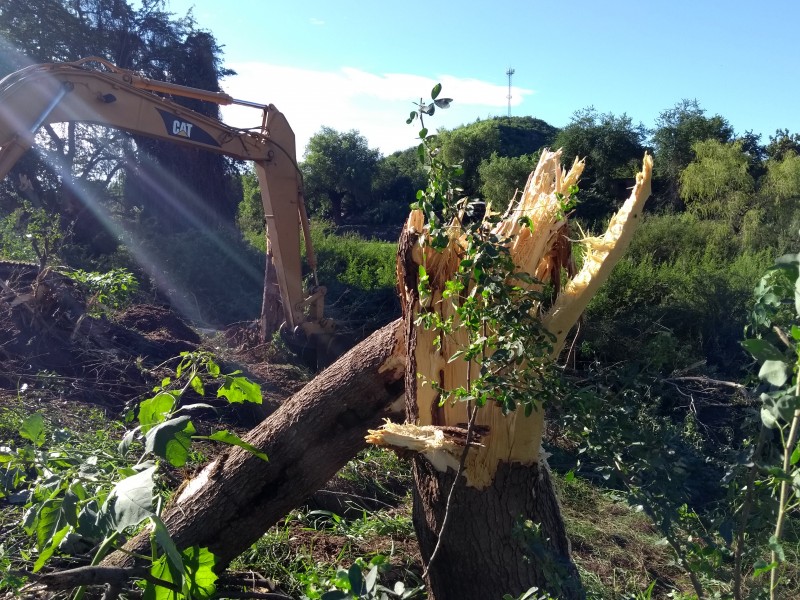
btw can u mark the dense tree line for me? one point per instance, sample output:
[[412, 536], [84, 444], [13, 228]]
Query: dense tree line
[[724, 205]]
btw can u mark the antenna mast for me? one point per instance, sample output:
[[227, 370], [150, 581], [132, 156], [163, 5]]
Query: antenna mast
[[510, 72]]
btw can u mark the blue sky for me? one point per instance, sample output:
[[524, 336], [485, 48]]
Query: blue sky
[[358, 65]]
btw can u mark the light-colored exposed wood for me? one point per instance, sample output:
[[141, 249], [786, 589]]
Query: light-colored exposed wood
[[514, 437]]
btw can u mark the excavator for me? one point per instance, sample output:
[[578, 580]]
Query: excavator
[[95, 91]]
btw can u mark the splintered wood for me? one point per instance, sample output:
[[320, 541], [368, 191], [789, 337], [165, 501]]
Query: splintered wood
[[541, 251]]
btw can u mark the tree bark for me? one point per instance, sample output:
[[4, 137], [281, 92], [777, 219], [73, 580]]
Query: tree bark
[[503, 539], [238, 496]]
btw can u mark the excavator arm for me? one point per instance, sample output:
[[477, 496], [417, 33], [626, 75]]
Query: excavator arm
[[95, 91]]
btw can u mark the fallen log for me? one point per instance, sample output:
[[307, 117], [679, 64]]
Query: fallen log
[[238, 496]]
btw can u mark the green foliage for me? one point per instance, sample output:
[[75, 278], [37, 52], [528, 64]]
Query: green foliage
[[250, 215], [353, 584], [678, 297], [360, 277], [613, 147], [474, 143], [337, 172], [396, 181], [668, 468], [678, 129], [782, 143], [782, 181], [776, 317], [83, 497], [717, 183], [114, 289], [32, 234], [502, 177]]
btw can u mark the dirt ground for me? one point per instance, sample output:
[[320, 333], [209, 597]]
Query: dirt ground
[[50, 343]]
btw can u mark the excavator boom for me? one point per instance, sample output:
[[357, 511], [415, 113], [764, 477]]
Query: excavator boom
[[95, 91]]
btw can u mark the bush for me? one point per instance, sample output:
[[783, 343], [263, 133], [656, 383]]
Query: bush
[[360, 277], [679, 297]]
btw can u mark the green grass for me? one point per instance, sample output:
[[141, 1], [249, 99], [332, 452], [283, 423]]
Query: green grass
[[618, 551]]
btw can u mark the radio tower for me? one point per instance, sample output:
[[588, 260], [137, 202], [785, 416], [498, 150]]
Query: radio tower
[[510, 72]]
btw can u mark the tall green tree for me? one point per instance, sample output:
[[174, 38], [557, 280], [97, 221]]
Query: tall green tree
[[338, 171], [394, 186], [677, 130], [502, 176], [781, 143], [613, 147], [718, 184], [471, 144]]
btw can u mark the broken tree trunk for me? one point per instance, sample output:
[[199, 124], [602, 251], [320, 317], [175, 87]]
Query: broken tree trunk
[[238, 496], [504, 531]]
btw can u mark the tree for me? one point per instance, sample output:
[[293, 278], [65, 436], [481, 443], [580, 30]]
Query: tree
[[677, 129], [774, 219], [88, 161], [503, 176], [471, 144], [612, 146], [396, 181], [477, 356], [718, 184], [338, 171], [781, 143]]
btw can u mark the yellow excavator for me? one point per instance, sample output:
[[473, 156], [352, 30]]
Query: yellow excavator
[[93, 90]]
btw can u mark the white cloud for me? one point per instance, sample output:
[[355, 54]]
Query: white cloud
[[374, 104]]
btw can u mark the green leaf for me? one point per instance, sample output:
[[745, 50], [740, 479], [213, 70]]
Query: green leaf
[[171, 440], [6, 454], [776, 547], [795, 458], [356, 580], [775, 372], [199, 565], [131, 500], [197, 386], [762, 350], [437, 89], [32, 429], [240, 389], [212, 368], [336, 595], [165, 571], [167, 544], [228, 437], [47, 552], [761, 567], [443, 103], [154, 410], [126, 441], [49, 520]]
